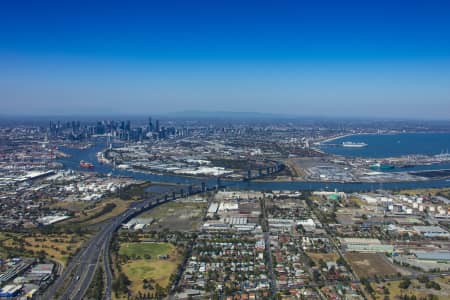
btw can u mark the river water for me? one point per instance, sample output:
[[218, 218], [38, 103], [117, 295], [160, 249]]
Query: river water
[[90, 155]]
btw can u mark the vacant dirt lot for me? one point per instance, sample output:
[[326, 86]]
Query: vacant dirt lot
[[370, 264], [182, 216]]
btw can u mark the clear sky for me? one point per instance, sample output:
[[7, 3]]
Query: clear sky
[[321, 58]]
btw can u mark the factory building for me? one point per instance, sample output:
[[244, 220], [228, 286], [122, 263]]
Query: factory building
[[431, 231], [365, 245]]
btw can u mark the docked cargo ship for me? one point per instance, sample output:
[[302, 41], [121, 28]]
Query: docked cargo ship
[[353, 145], [86, 165]]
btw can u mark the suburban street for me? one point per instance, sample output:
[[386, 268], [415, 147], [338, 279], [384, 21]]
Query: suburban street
[[77, 276]]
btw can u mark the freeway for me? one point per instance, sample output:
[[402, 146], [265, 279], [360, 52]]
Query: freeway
[[273, 281], [107, 269], [78, 275]]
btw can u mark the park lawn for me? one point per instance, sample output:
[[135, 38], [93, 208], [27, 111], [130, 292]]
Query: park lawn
[[357, 201], [155, 270], [415, 289], [424, 192], [6, 240], [158, 271], [3, 252], [443, 281], [121, 206], [74, 206], [3, 237], [144, 248], [57, 247], [87, 215]]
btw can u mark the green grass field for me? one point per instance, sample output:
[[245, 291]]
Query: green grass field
[[139, 268], [158, 270], [416, 289], [141, 249], [57, 247]]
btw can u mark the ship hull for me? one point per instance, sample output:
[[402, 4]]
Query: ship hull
[[86, 165]]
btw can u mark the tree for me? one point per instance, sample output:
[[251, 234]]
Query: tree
[[41, 255], [432, 285], [406, 282], [97, 286], [159, 292], [340, 261], [423, 279], [120, 285]]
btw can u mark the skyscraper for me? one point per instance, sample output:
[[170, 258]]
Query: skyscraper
[[150, 124]]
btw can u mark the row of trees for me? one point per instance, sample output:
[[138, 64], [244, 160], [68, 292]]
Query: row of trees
[[97, 286]]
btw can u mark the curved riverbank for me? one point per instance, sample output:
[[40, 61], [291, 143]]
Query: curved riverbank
[[89, 154]]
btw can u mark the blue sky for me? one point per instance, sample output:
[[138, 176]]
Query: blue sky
[[323, 58]]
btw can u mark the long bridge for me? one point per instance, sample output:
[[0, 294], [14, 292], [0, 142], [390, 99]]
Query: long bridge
[[78, 275], [264, 172]]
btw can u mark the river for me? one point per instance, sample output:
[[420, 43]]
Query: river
[[89, 154]]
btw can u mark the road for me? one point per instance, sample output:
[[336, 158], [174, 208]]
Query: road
[[268, 250], [78, 275], [108, 272]]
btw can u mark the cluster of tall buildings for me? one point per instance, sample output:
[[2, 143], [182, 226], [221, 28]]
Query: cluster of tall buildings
[[122, 130]]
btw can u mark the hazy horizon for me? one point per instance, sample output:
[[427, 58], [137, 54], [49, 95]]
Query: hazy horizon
[[212, 115], [339, 60]]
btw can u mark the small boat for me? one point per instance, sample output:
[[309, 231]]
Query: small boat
[[86, 165]]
